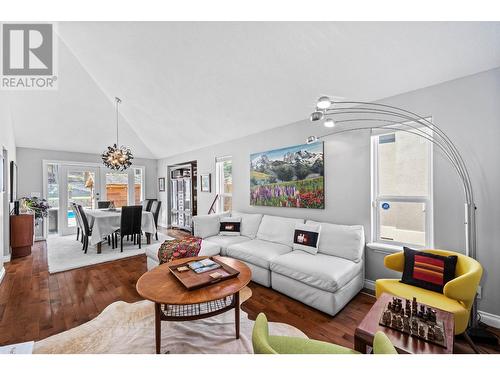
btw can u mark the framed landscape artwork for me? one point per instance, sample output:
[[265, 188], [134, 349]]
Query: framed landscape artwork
[[288, 177]]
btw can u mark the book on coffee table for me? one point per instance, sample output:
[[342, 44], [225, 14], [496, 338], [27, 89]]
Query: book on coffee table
[[203, 265]]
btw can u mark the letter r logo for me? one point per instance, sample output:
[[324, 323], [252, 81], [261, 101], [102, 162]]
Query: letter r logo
[[27, 49]]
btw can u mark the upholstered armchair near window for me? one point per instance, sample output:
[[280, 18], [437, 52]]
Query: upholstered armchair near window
[[263, 343], [458, 294]]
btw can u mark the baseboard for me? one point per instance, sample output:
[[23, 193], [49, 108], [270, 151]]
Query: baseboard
[[369, 284], [6, 258], [2, 274], [490, 319]]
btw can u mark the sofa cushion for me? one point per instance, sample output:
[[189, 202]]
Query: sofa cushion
[[306, 238], [230, 226], [225, 241], [345, 241], [249, 223], [278, 229], [257, 252], [206, 225], [321, 271]]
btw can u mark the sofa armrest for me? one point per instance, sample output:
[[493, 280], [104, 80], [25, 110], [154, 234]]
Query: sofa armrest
[[395, 262], [463, 288]]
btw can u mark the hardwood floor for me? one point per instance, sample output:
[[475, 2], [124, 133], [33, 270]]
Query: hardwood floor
[[35, 304]]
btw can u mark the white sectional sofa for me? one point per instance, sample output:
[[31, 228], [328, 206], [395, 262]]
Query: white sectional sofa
[[326, 281]]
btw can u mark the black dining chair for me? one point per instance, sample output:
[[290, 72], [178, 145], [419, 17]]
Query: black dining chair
[[104, 204], [130, 225], [86, 230], [147, 203], [155, 210], [78, 220]]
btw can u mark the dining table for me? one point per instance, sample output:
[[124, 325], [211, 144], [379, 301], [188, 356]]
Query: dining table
[[105, 221]]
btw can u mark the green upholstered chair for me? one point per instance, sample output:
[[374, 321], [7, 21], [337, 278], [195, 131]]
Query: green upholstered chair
[[265, 344]]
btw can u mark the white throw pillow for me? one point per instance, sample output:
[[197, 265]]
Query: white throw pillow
[[306, 237], [344, 241], [206, 225], [230, 226], [249, 223], [278, 229]]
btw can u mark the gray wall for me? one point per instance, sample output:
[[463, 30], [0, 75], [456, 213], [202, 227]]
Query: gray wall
[[7, 141], [466, 109], [29, 161]]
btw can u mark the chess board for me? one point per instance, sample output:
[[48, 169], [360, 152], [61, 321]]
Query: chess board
[[414, 319]]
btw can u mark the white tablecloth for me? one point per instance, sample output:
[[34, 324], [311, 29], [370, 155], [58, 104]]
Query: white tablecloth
[[104, 222]]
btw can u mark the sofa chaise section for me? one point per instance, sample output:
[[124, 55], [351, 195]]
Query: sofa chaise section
[[328, 280]]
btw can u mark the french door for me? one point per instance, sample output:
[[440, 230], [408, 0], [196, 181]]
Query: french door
[[79, 184]]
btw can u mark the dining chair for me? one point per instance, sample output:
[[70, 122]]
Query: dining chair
[[147, 203], [130, 225], [78, 220], [155, 210], [86, 230], [104, 204]]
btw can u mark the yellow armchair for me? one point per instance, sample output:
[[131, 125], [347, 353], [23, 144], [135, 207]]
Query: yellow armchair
[[458, 294]]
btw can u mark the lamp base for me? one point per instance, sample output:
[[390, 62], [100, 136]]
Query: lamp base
[[481, 335]]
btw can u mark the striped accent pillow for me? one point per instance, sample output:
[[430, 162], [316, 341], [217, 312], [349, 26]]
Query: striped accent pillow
[[428, 271]]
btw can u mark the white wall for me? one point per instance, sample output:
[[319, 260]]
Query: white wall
[[466, 109], [29, 162], [6, 141]]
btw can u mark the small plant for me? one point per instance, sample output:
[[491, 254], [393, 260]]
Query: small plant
[[40, 207]]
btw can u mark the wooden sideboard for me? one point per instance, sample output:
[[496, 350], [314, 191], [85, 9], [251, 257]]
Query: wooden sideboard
[[22, 232]]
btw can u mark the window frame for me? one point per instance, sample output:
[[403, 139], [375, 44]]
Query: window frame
[[377, 199], [219, 183]]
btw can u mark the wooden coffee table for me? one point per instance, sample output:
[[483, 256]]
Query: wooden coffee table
[[404, 343], [173, 302]]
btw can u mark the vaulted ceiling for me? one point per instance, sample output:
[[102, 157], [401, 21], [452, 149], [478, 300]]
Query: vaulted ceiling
[[186, 85]]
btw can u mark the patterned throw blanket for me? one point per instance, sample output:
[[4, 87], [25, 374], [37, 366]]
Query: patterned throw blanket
[[176, 249]]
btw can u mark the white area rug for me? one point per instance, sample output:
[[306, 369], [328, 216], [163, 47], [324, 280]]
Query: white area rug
[[65, 253], [125, 328]]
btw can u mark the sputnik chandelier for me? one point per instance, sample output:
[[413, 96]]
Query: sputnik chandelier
[[117, 157]]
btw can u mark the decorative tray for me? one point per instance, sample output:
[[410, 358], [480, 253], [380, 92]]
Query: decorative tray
[[192, 280], [417, 320]]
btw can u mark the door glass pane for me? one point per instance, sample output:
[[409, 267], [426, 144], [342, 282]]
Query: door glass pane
[[53, 197], [81, 191], [402, 222], [403, 165], [227, 203], [117, 188], [228, 176], [138, 186]]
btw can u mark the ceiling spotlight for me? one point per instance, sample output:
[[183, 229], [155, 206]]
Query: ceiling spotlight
[[329, 123], [316, 116], [324, 102], [311, 139]]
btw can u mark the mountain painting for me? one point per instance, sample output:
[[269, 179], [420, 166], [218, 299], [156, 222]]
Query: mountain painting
[[288, 177]]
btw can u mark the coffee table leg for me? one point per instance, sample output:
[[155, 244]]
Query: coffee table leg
[[148, 238], [158, 327], [99, 247], [237, 313]]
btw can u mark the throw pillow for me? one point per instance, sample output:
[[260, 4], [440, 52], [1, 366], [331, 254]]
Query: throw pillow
[[428, 271], [230, 226], [306, 238]]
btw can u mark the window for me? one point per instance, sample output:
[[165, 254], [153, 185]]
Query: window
[[224, 183], [138, 186], [117, 188], [402, 189]]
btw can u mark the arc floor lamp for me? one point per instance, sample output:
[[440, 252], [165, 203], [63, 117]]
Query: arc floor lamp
[[370, 116]]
